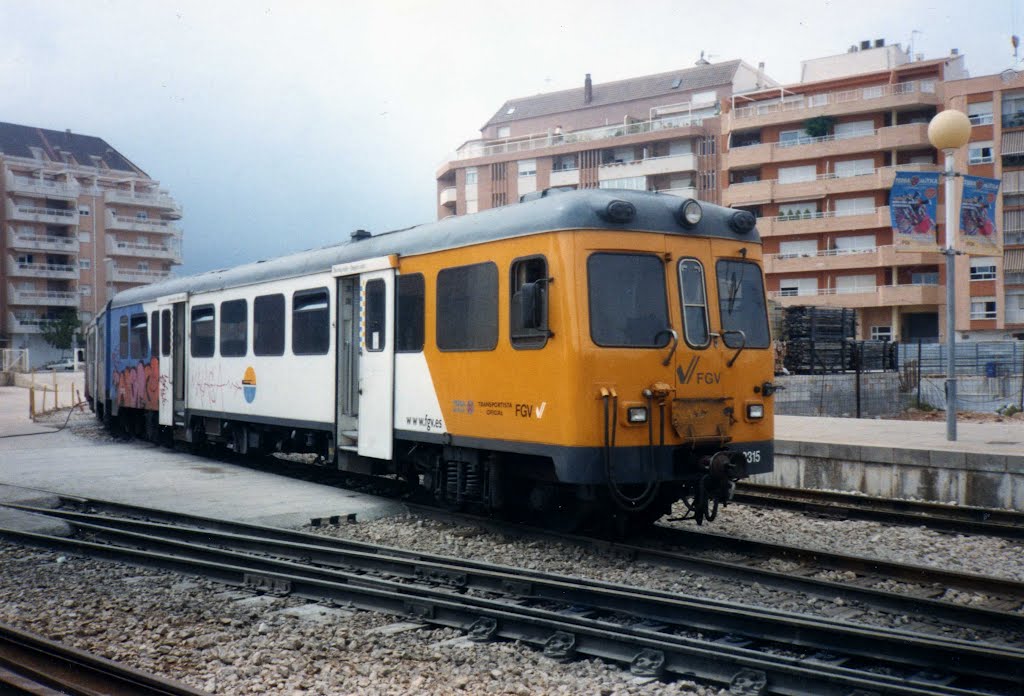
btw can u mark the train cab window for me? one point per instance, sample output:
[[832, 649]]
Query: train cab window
[[138, 336], [694, 302], [203, 332], [528, 315], [376, 311], [741, 304], [409, 313], [122, 337], [165, 332], [234, 328], [268, 325], [467, 307], [628, 305], [311, 322], [154, 332]]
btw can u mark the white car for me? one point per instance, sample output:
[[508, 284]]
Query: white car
[[66, 364]]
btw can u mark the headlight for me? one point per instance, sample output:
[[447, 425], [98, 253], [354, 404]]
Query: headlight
[[637, 414], [755, 411], [689, 213]]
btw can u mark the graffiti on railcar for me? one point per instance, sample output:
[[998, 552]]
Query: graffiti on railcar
[[138, 385]]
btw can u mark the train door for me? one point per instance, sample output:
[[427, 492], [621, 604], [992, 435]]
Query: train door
[[366, 357], [172, 359]]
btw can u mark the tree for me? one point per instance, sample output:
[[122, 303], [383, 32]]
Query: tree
[[61, 331], [819, 126]]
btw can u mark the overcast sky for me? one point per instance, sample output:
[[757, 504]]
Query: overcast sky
[[282, 126]]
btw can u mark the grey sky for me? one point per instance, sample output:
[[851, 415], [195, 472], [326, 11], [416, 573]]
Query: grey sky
[[285, 125]]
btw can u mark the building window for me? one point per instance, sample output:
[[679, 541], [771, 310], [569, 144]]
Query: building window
[[798, 210], [858, 167], [881, 333], [85, 290], [793, 137], [1013, 109], [467, 307], [983, 308], [375, 335], [84, 264], [268, 325], [202, 342], [142, 215], [84, 210], [311, 322], [470, 176], [504, 131], [409, 310], [234, 328], [925, 278], [528, 167], [793, 175], [791, 287], [564, 163], [980, 114], [979, 153], [983, 268], [85, 237]]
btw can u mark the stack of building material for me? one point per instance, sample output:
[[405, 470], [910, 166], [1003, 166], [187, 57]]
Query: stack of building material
[[819, 339]]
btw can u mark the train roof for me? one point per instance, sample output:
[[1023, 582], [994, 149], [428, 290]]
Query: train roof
[[568, 210]]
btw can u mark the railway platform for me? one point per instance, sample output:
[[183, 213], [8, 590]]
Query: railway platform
[[35, 458], [903, 459]]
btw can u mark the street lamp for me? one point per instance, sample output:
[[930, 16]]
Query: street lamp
[[949, 131]]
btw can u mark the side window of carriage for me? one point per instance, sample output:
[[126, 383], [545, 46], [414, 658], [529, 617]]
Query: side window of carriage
[[528, 296], [694, 301]]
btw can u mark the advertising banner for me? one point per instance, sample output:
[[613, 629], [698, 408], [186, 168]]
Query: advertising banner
[[978, 216], [913, 201]]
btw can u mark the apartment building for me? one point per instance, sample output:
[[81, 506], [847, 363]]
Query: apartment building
[[815, 162], [79, 222], [995, 105], [656, 133]]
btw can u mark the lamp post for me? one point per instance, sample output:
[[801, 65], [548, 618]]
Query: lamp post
[[949, 131]]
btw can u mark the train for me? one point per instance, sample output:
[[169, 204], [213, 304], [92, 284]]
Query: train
[[578, 357]]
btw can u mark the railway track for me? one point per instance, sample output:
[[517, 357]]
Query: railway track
[[951, 518], [658, 634], [32, 664]]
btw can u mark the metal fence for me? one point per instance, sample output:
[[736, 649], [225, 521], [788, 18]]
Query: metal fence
[[14, 360], [983, 358]]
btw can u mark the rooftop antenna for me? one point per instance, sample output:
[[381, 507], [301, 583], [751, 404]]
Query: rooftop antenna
[[910, 49]]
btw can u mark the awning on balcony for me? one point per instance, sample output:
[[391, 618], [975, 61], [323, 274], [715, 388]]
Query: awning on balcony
[[804, 197], [1013, 261], [1013, 143]]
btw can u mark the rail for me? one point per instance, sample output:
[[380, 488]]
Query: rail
[[666, 632], [847, 291], [810, 101]]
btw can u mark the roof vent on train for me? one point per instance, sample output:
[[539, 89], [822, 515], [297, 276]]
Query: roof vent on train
[[689, 213], [742, 221], [360, 234], [617, 211], [534, 195]]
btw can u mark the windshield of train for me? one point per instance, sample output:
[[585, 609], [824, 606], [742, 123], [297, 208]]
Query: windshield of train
[[628, 304], [742, 304]]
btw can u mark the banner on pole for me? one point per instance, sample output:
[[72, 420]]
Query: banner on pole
[[913, 202], [978, 216]]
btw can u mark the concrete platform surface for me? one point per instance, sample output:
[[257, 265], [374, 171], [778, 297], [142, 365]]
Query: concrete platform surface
[[140, 473], [1006, 438]]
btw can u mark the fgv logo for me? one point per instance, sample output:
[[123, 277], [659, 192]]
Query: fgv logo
[[249, 385], [685, 377]]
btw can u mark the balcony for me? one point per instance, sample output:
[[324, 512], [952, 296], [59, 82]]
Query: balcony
[[52, 216], [904, 95], [41, 242], [821, 185], [651, 166], [159, 200], [55, 271], [24, 323], [908, 136], [880, 296], [138, 277], [136, 224], [35, 186], [448, 196], [689, 192], [170, 251], [565, 177], [538, 141], [1012, 237], [848, 259], [45, 298]]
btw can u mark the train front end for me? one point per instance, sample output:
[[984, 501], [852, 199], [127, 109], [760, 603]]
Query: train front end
[[676, 387]]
